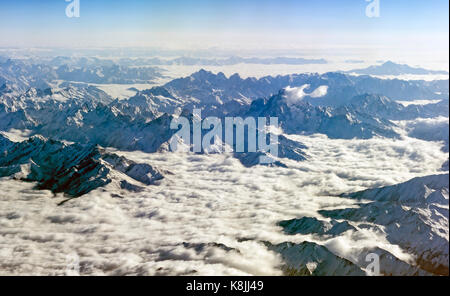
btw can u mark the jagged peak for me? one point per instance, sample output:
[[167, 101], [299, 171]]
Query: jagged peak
[[156, 91], [74, 169]]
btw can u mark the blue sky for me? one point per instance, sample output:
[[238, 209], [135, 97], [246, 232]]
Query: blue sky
[[232, 23]]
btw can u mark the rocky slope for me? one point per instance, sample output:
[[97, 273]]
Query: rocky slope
[[412, 215], [73, 169]]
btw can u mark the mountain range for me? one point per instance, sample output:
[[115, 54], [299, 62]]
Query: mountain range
[[71, 127], [334, 104], [23, 74], [412, 215], [72, 169]]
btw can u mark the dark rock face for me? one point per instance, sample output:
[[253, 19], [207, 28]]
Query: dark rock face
[[309, 258], [72, 169]]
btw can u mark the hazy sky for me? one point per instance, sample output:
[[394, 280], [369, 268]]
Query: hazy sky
[[404, 26]]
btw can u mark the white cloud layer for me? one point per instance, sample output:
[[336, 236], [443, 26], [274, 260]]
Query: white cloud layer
[[178, 226], [294, 95]]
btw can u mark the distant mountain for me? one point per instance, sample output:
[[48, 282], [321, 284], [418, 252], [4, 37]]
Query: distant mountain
[[183, 60], [72, 169], [75, 92], [26, 74], [234, 60], [391, 68], [113, 74], [23, 75]]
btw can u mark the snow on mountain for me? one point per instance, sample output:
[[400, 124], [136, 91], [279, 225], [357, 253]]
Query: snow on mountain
[[108, 74], [132, 124], [127, 125], [389, 263], [218, 95], [151, 103], [189, 61], [107, 127], [311, 225], [287, 149], [391, 68], [382, 106], [80, 93], [86, 114], [36, 107], [72, 169], [206, 86], [331, 89], [183, 60], [123, 124], [413, 215], [212, 88], [302, 117], [308, 258], [405, 224], [25, 74]]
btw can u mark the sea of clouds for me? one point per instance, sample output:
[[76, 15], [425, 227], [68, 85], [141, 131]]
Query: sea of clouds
[[210, 217]]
